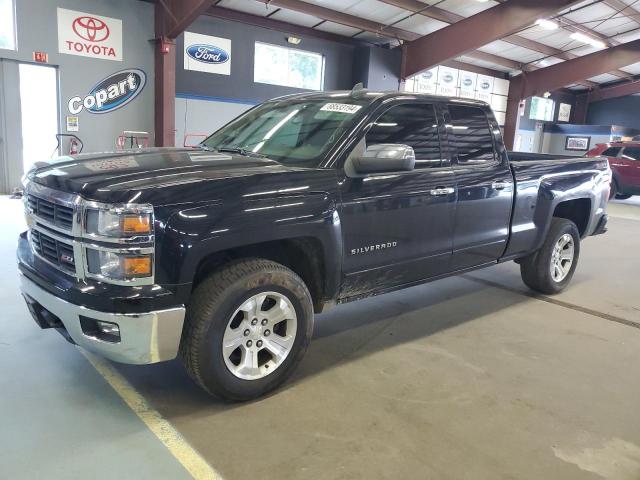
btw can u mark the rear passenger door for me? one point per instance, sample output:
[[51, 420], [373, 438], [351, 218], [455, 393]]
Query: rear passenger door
[[485, 187], [629, 169]]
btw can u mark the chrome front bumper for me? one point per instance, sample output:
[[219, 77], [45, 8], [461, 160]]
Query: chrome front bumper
[[144, 337]]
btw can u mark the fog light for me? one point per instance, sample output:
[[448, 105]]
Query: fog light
[[108, 328], [100, 330]]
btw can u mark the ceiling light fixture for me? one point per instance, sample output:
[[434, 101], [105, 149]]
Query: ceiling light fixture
[[581, 37], [547, 24], [294, 40]]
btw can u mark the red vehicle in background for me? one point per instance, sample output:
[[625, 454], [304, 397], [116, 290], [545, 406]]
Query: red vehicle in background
[[624, 159]]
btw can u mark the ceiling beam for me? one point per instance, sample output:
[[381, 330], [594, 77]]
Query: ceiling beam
[[624, 9], [485, 27], [280, 26], [380, 29], [344, 19], [614, 91], [557, 76], [445, 16], [179, 14]]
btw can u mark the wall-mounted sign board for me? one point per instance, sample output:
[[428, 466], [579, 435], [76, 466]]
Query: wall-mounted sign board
[[89, 35], [204, 53]]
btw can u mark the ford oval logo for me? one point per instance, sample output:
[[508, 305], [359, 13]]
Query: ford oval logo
[[207, 53], [485, 85], [448, 78], [467, 82]]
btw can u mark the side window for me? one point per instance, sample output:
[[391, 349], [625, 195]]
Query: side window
[[631, 153], [470, 135], [611, 152], [414, 125]]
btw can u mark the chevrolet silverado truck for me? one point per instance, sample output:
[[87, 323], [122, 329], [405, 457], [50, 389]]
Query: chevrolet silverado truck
[[222, 254]]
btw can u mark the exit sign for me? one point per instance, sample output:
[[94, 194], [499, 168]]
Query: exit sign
[[40, 57]]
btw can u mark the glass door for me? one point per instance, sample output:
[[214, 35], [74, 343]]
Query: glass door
[[39, 112]]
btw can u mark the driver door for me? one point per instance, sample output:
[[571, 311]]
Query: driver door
[[398, 226]]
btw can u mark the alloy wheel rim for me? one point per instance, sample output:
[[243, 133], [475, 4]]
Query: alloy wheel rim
[[259, 335], [562, 258]]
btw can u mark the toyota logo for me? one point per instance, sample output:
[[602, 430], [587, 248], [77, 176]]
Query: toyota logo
[[91, 29]]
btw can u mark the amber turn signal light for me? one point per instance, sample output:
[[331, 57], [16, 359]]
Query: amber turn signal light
[[136, 224], [137, 266]]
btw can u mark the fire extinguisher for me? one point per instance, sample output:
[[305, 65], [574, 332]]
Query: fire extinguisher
[[73, 146]]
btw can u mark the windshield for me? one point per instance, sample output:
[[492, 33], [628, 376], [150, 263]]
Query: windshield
[[291, 132]]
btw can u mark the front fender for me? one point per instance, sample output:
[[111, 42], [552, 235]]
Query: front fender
[[194, 233]]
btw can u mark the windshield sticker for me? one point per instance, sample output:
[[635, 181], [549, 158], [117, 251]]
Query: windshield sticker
[[341, 108]]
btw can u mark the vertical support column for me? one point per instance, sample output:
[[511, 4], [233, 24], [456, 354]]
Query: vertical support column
[[165, 80], [513, 108], [579, 115], [165, 92]]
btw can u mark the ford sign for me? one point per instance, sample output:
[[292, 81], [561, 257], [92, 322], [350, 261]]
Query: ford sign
[[207, 53], [112, 93]]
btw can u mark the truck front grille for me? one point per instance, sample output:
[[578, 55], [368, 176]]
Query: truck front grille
[[54, 213], [54, 251]]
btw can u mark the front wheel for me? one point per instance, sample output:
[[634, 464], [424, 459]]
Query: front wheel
[[620, 196], [551, 268], [247, 327]]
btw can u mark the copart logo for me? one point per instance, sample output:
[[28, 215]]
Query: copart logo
[[91, 29], [112, 93], [207, 53]]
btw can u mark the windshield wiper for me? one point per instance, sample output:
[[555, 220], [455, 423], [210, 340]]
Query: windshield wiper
[[241, 151]]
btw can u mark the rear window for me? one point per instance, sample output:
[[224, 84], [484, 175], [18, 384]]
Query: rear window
[[470, 135], [611, 152], [632, 153]]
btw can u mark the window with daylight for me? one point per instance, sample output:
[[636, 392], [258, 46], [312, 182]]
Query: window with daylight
[[288, 67], [542, 109], [7, 25]]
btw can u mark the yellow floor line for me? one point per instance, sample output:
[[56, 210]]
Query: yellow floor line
[[161, 428]]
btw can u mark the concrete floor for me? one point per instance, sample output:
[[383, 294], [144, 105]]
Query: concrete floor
[[470, 377]]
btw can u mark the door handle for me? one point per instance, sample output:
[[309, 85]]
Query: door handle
[[442, 191], [500, 185]]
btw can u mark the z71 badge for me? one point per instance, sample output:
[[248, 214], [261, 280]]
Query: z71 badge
[[373, 248]]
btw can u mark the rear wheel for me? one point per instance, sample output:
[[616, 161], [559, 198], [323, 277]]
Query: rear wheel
[[620, 196], [551, 268], [247, 328]]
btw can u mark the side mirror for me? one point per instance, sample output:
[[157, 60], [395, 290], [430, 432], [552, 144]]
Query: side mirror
[[385, 157]]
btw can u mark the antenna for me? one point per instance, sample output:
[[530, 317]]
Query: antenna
[[357, 89]]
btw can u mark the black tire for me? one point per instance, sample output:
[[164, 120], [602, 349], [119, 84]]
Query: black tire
[[212, 304], [536, 268], [613, 190], [620, 196]]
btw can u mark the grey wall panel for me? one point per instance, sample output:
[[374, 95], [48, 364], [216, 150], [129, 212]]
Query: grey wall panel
[[339, 59], [37, 31], [195, 115], [618, 111]]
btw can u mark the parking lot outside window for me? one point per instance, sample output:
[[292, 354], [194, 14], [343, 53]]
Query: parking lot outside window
[[7, 25], [288, 67]]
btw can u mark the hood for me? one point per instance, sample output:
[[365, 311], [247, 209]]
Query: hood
[[150, 173]]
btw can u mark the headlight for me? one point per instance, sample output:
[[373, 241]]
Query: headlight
[[119, 266], [120, 222]]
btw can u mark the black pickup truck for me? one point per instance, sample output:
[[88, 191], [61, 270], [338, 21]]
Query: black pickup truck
[[222, 254]]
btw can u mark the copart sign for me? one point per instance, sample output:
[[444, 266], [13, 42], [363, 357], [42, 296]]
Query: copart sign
[[112, 93], [89, 35]]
